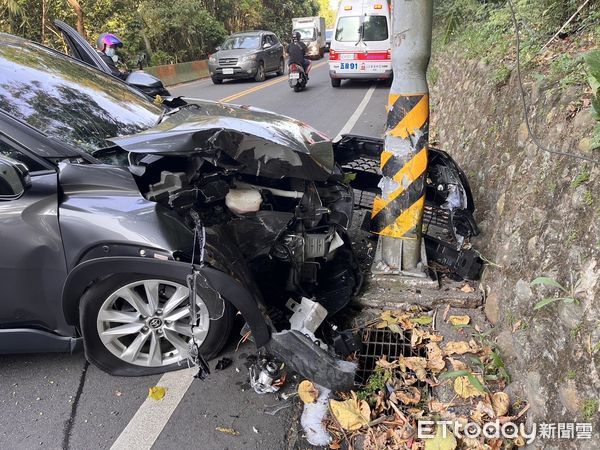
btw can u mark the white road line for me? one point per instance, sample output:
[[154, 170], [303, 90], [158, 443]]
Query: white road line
[[354, 118], [149, 421]]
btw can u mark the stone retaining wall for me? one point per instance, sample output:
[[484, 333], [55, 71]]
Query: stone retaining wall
[[171, 74], [539, 216]]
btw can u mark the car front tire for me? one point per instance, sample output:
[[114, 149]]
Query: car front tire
[[260, 72], [216, 80], [135, 325]]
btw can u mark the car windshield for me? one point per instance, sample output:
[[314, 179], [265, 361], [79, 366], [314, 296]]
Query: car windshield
[[306, 34], [366, 28], [67, 100], [237, 42]]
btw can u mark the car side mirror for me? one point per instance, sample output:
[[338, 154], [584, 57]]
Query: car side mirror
[[14, 178], [266, 45], [217, 48]]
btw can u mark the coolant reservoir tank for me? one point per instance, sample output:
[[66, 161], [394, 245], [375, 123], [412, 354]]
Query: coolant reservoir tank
[[242, 201]]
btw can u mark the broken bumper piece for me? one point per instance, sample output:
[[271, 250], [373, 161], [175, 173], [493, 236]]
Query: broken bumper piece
[[312, 362], [448, 220], [466, 263]]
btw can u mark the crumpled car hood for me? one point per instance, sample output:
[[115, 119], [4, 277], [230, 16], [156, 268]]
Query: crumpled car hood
[[249, 140]]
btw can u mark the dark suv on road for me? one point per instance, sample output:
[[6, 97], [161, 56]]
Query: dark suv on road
[[251, 54]]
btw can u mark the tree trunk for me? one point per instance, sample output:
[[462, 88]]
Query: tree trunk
[[146, 43], [79, 12]]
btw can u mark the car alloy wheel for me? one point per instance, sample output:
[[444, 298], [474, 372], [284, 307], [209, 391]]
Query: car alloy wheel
[[147, 323]]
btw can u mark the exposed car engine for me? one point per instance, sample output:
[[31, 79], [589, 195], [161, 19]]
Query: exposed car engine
[[292, 232]]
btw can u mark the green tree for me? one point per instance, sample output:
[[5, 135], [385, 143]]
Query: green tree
[[181, 32], [277, 15], [326, 11], [169, 32]]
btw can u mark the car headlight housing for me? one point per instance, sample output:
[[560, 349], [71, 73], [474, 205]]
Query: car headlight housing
[[212, 59], [250, 57]]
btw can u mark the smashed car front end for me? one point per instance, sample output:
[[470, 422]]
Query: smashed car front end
[[274, 209]]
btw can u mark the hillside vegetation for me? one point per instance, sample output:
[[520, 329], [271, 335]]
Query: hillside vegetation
[[168, 32]]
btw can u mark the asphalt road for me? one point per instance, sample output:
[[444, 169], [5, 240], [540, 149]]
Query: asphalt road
[[58, 401]]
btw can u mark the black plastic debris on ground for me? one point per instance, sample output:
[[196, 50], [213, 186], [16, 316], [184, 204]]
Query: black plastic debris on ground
[[223, 364], [379, 342]]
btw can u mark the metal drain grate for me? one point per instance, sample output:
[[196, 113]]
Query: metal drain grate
[[379, 342], [364, 199]]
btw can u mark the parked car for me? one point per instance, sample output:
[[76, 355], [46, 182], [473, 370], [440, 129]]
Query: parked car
[[251, 54], [83, 51], [115, 210]]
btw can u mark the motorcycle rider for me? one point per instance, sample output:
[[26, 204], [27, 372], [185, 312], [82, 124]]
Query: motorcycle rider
[[106, 47], [297, 53]]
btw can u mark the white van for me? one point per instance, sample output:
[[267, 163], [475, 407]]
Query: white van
[[361, 47]]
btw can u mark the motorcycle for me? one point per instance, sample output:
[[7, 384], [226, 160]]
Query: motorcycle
[[298, 77]]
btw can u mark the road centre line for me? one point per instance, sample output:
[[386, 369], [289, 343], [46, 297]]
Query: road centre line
[[262, 86], [357, 113], [151, 418], [250, 90]]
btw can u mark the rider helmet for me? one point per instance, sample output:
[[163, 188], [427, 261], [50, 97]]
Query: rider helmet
[[108, 40]]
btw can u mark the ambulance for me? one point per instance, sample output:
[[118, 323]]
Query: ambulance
[[360, 46]]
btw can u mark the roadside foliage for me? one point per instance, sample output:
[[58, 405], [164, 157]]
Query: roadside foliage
[[167, 32]]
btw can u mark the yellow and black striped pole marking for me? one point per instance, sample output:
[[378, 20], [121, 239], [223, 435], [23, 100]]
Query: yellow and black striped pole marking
[[398, 212]]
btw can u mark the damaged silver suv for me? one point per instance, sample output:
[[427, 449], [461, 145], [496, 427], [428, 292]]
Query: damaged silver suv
[[138, 230], [116, 212]]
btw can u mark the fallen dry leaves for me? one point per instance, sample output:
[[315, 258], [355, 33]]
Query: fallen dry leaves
[[386, 412], [351, 414], [415, 363], [465, 389], [461, 347], [500, 403], [459, 320], [157, 392], [435, 358], [467, 288], [307, 392], [227, 430], [441, 441], [412, 396]]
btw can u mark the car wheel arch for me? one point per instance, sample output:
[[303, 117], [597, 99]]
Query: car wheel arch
[[91, 271]]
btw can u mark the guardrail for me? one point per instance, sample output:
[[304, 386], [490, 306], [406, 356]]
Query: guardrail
[[171, 74]]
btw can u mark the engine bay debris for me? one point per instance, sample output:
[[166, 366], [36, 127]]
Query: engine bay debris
[[274, 201]]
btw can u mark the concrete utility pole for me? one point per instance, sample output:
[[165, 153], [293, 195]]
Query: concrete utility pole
[[397, 215]]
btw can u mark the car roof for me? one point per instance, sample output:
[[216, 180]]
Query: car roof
[[29, 71], [251, 32], [6, 38]]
